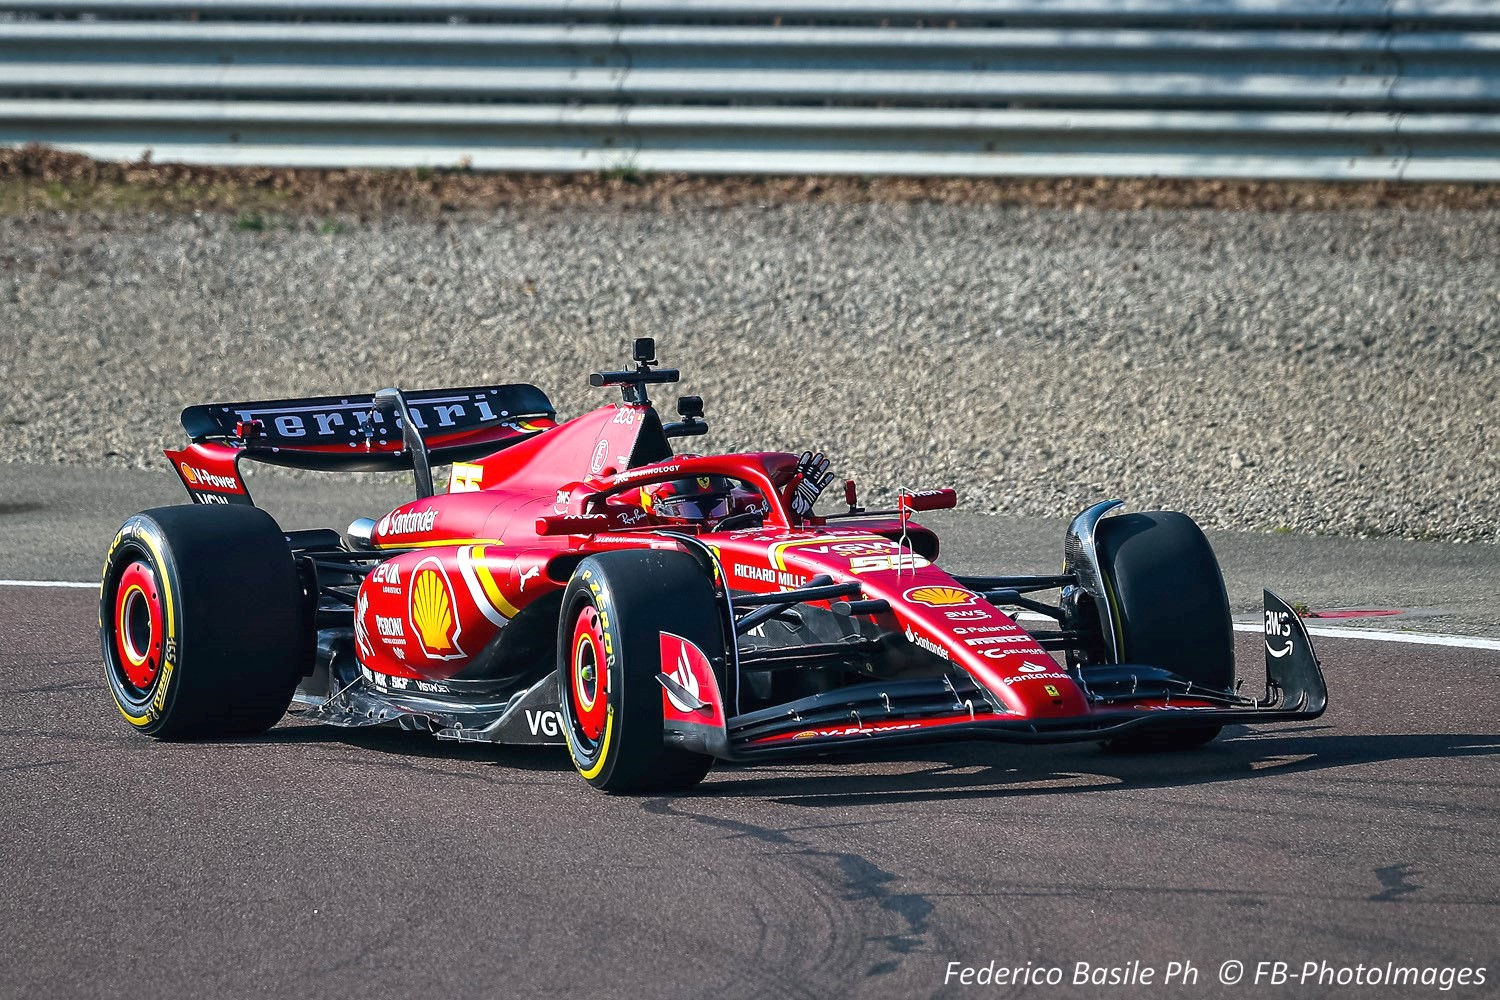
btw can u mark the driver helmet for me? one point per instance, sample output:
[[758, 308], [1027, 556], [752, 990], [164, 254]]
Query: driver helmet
[[696, 498]]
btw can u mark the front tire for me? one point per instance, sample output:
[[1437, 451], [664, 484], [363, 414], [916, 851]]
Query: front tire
[[1172, 610], [202, 622], [614, 610]]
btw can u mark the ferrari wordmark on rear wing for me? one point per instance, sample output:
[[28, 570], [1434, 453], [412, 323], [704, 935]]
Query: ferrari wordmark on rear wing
[[351, 433]]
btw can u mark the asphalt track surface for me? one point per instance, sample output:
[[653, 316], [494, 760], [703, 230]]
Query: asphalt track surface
[[326, 863], [316, 862]]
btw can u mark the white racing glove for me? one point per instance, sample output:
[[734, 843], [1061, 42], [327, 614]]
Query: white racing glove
[[815, 476]]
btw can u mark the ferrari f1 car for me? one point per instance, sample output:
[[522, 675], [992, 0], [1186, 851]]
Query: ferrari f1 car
[[580, 583]]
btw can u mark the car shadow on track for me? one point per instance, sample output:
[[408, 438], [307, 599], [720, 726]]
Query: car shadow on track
[[965, 770], [957, 771], [409, 743]]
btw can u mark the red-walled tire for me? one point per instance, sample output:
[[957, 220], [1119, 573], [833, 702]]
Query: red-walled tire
[[201, 622], [608, 655]]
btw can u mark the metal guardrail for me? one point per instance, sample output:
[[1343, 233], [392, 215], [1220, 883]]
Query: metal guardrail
[[1337, 89]]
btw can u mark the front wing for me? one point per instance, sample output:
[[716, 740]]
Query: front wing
[[909, 712]]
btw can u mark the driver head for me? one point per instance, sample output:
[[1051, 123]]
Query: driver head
[[695, 498]]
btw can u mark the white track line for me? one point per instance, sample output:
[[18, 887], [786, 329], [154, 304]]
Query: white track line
[[1384, 635], [1379, 635], [50, 583]]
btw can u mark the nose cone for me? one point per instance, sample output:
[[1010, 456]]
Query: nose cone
[[960, 626]]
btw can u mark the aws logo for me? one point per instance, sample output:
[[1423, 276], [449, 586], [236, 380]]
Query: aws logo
[[430, 606]]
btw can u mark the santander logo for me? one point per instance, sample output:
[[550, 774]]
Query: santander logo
[[408, 522], [685, 664], [684, 675]]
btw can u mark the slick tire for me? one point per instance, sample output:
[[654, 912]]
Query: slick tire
[[614, 610], [1171, 607], [202, 622]]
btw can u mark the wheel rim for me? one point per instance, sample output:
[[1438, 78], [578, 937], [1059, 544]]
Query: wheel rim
[[588, 677], [138, 625]]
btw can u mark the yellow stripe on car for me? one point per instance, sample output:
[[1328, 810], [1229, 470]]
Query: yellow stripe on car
[[778, 551], [437, 543], [483, 589]]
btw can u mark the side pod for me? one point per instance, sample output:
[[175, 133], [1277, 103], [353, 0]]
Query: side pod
[[1294, 680]]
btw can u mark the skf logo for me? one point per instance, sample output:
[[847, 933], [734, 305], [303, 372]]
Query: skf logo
[[431, 609]]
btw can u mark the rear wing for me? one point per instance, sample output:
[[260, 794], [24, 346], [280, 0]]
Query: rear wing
[[347, 433], [351, 434]]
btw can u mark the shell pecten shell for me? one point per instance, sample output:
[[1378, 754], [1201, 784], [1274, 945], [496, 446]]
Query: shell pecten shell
[[939, 597], [432, 611]]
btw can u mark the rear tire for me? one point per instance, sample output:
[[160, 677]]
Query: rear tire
[[608, 655], [202, 622], [1172, 610]]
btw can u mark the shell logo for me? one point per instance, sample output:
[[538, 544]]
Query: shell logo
[[431, 610], [939, 597], [189, 473]]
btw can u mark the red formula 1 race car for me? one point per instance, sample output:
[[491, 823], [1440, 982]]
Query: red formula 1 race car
[[581, 584]]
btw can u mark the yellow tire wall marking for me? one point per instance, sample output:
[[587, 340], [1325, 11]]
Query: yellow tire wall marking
[[169, 646]]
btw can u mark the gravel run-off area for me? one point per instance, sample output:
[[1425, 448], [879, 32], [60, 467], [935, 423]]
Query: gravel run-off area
[[1330, 372]]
